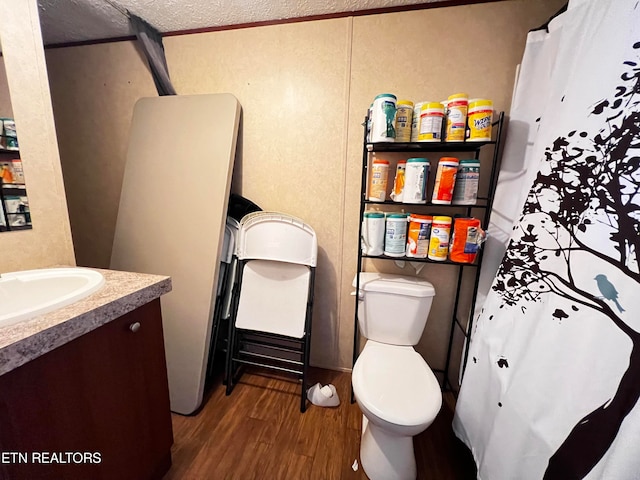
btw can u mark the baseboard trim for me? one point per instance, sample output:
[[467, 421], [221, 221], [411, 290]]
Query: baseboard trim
[[332, 367]]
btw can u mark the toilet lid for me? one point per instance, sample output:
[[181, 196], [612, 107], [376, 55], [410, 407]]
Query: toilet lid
[[396, 384]]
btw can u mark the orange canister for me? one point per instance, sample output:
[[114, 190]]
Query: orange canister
[[398, 182], [445, 181], [378, 180], [419, 235], [465, 240]]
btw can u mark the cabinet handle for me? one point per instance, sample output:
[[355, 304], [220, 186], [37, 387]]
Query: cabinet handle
[[134, 327]]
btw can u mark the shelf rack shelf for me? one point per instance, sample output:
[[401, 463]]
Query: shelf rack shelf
[[482, 206], [12, 189]]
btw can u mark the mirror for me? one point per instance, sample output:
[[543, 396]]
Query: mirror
[[14, 203]]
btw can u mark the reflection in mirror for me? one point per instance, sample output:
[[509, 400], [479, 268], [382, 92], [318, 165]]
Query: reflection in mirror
[[14, 204]]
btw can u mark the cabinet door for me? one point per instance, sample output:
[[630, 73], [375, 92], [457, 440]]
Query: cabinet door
[[105, 393]]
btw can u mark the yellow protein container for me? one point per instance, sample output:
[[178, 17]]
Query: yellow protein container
[[480, 118], [439, 241]]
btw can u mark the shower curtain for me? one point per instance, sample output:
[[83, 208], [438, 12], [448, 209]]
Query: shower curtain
[[552, 383], [518, 165]]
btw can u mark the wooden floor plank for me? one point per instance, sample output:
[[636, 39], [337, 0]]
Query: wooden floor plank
[[249, 466], [259, 433], [299, 467], [242, 440], [327, 461], [350, 454]]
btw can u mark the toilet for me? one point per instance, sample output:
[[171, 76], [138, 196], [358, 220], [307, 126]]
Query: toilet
[[396, 390]]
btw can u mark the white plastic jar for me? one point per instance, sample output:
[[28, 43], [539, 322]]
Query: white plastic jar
[[431, 117], [373, 228], [415, 181], [383, 119], [395, 235]]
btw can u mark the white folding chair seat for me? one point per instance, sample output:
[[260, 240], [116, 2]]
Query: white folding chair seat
[[273, 297]]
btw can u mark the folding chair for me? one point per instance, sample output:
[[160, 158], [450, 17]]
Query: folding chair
[[222, 310], [238, 207], [271, 316]]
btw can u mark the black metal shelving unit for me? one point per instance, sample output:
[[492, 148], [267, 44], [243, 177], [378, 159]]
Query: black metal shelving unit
[[483, 205]]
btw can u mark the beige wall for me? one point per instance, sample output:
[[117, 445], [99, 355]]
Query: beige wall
[[304, 88], [5, 97], [49, 242]]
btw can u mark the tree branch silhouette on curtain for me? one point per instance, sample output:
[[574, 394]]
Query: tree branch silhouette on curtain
[[590, 183]]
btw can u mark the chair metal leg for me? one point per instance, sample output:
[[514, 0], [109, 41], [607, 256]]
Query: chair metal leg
[[305, 365], [307, 341], [227, 366], [231, 337], [229, 362]]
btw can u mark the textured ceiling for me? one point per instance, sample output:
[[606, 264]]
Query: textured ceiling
[[80, 20]]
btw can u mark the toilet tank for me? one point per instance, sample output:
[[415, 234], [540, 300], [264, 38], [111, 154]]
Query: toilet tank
[[393, 309]]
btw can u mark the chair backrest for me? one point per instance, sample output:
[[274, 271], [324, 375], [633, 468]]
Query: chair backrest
[[278, 237], [273, 297]]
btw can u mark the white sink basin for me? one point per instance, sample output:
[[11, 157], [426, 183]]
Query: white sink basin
[[24, 295]]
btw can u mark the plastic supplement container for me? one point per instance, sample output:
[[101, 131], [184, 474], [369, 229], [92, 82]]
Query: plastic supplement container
[[439, 240], [378, 180], [419, 236], [465, 239], [404, 119], [373, 226], [465, 191], [431, 117], [480, 118], [383, 119], [415, 124], [457, 106], [415, 181], [398, 182], [395, 234], [445, 181]]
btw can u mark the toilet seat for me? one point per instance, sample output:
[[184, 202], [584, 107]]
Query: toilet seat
[[396, 384]]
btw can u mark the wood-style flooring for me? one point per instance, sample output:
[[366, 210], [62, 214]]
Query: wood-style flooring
[[259, 433]]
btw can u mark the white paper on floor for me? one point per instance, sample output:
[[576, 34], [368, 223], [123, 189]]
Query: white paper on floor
[[326, 396]]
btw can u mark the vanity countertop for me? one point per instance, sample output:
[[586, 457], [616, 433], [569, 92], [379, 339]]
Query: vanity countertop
[[121, 293]]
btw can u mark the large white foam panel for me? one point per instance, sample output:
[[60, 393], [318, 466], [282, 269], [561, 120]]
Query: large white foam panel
[[171, 220]]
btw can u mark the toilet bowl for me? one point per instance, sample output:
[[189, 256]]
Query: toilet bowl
[[396, 390], [399, 397]]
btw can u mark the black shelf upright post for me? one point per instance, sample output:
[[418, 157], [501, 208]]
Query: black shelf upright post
[[363, 193]]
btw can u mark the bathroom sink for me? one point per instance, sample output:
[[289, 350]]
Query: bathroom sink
[[24, 295]]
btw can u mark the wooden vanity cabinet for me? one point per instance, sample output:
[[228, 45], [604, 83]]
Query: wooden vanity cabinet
[[103, 393]]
